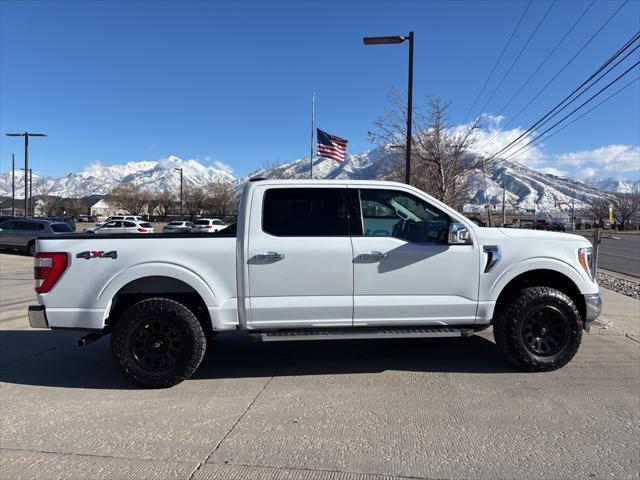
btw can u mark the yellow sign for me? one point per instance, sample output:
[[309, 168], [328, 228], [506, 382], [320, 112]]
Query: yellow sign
[[610, 213]]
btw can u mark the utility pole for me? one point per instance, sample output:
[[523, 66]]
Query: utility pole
[[13, 184], [180, 191], [26, 136], [504, 213]]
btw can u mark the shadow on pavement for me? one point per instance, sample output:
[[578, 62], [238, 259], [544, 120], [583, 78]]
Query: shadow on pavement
[[53, 361]]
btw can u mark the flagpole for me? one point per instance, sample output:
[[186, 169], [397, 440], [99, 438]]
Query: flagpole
[[313, 121]]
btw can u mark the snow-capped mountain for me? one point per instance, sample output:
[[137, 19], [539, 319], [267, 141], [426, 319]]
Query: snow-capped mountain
[[97, 179], [524, 186]]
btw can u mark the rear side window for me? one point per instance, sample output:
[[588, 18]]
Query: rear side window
[[306, 212], [61, 228], [217, 222], [129, 224]]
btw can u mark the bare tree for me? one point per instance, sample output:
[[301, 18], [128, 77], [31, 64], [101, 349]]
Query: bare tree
[[133, 201], [48, 203], [194, 200], [162, 202], [220, 199], [276, 170], [625, 207], [440, 157], [599, 208]]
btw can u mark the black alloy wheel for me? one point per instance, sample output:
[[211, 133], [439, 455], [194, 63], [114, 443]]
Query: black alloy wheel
[[545, 330]]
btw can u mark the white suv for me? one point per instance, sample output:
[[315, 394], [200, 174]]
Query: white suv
[[131, 218], [207, 225]]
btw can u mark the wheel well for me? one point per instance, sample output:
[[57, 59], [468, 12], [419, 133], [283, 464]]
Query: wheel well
[[159, 286], [541, 278]]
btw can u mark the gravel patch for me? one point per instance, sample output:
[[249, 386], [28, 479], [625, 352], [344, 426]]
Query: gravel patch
[[619, 285]]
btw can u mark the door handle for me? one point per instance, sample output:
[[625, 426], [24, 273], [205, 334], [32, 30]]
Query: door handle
[[270, 256], [373, 256]]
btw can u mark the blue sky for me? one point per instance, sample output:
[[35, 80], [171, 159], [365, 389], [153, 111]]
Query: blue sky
[[113, 82]]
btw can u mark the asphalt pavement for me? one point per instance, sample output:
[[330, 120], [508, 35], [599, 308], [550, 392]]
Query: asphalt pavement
[[619, 252], [427, 409]]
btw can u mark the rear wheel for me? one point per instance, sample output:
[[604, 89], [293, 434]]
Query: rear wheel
[[31, 248], [540, 329], [157, 343]]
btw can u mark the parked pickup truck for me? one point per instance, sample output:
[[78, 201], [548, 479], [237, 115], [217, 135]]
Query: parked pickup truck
[[319, 260]]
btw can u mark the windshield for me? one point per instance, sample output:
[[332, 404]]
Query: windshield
[[145, 225], [201, 222]]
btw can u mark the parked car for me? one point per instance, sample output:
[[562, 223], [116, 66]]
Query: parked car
[[541, 225], [83, 218], [557, 227], [4, 218], [133, 218], [21, 234], [122, 226], [316, 260], [68, 220], [207, 225], [177, 226]]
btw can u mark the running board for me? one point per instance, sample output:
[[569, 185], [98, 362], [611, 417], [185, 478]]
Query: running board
[[360, 333]]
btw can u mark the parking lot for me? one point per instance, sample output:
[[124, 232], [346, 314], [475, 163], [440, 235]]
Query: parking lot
[[429, 409]]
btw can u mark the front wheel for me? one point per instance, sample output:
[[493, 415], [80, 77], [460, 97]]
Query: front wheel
[[157, 343], [539, 330]]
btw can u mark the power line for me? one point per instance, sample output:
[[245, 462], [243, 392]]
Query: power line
[[619, 77], [498, 61], [550, 112], [553, 50], [522, 50], [597, 32], [620, 90]]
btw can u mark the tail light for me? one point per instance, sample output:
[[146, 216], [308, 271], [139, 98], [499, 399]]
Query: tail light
[[48, 268], [142, 230], [208, 226]]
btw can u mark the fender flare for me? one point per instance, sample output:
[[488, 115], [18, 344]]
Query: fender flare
[[535, 263], [154, 269]]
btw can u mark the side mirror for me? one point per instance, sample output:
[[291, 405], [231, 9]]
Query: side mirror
[[458, 234]]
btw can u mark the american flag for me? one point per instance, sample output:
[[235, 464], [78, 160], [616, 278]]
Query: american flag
[[330, 146]]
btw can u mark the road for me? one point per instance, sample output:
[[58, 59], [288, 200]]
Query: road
[[446, 409], [619, 252]]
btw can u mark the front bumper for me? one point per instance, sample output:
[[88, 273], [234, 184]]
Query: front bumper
[[38, 316], [593, 303]]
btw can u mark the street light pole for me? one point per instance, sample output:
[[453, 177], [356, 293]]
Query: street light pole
[[26, 136], [27, 198], [400, 39], [13, 184], [180, 191]]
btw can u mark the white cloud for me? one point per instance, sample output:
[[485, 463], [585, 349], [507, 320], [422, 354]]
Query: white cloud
[[610, 158], [586, 173], [489, 142], [223, 166]]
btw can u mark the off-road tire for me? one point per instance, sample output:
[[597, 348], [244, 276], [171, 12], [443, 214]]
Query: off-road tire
[[172, 324], [513, 332]]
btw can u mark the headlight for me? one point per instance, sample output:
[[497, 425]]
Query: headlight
[[585, 257]]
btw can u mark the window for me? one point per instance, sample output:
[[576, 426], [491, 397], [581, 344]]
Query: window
[[29, 226], [306, 212], [117, 224], [201, 222], [61, 228], [217, 222], [8, 225], [129, 224], [144, 225], [391, 213]]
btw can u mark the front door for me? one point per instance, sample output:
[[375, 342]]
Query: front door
[[300, 271], [405, 273]]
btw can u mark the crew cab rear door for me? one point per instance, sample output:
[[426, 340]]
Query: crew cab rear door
[[300, 271], [405, 273]]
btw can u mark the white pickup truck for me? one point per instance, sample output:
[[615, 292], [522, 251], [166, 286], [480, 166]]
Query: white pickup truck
[[319, 260]]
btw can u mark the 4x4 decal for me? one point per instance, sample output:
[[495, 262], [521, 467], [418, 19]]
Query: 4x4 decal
[[88, 255]]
